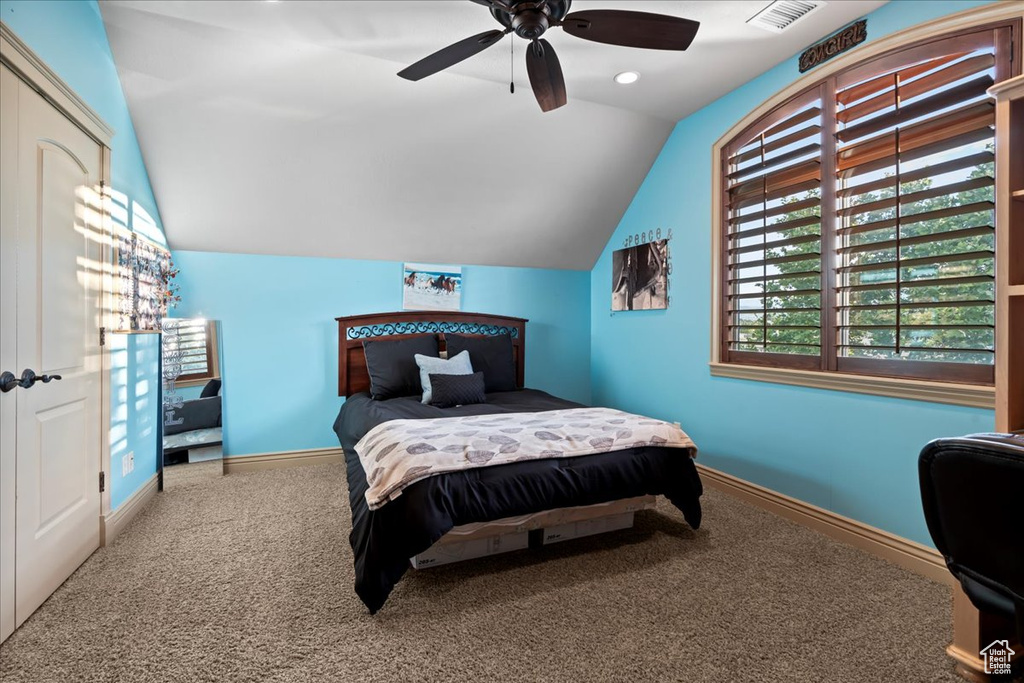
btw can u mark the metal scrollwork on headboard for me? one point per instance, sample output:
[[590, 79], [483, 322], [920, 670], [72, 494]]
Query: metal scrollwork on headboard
[[389, 329], [355, 330]]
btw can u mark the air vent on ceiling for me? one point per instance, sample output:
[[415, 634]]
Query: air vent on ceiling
[[782, 14]]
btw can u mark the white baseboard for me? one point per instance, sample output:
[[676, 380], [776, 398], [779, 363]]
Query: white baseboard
[[271, 461], [113, 523], [918, 558]]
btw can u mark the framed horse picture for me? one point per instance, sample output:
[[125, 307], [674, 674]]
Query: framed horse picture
[[431, 287], [640, 277]]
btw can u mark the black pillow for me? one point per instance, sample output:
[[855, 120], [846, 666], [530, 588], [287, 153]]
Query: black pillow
[[490, 355], [457, 390], [392, 366], [212, 388]]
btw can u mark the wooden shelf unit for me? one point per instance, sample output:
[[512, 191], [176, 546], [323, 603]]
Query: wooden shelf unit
[[973, 629], [1009, 96]]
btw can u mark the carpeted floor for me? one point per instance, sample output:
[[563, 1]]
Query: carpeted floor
[[191, 473], [249, 578]]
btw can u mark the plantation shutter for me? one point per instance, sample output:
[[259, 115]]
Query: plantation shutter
[[915, 219], [773, 247], [857, 230], [194, 342]]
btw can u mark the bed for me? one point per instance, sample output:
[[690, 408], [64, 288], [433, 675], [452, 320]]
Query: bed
[[388, 528]]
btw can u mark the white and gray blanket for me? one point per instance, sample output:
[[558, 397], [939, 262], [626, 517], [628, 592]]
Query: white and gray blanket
[[399, 453]]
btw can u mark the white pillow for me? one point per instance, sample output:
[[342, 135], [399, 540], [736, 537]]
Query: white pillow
[[430, 365]]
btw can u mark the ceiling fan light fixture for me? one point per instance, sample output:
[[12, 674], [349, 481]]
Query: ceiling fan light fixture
[[627, 77]]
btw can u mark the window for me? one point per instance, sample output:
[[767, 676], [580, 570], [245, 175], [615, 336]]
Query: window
[[192, 350], [858, 219], [774, 238]]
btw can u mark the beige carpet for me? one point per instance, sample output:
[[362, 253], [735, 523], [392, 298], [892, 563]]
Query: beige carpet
[[249, 578], [191, 473]]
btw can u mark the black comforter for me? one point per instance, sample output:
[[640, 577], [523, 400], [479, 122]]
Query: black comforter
[[383, 540]]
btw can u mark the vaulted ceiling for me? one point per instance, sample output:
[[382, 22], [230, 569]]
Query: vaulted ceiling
[[281, 127]]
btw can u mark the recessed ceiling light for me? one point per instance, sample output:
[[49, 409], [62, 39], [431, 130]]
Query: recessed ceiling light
[[627, 77]]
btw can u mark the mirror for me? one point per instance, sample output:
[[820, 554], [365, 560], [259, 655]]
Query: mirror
[[192, 401]]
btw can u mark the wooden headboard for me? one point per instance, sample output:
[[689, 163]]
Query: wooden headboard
[[353, 330]]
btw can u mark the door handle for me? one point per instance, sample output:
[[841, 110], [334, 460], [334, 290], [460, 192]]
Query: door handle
[[9, 381]]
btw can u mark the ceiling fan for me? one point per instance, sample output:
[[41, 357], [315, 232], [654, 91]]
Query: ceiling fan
[[529, 19]]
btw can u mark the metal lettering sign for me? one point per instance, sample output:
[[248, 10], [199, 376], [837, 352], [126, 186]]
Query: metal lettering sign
[[839, 42]]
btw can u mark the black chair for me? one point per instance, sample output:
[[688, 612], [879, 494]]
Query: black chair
[[972, 488]]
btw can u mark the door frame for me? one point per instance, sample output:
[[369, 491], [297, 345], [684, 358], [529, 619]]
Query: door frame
[[31, 69]]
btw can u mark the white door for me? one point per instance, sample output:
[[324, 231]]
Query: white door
[[56, 240]]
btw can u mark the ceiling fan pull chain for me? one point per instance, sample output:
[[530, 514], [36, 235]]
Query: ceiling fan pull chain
[[512, 64]]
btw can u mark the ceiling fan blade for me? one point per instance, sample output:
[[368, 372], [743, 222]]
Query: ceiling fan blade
[[545, 75], [451, 55], [632, 29]]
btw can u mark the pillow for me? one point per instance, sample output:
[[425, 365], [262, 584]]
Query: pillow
[[457, 365], [457, 390], [212, 388], [491, 356], [391, 364]]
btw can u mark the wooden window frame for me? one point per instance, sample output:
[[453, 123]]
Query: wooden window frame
[[828, 370], [778, 114]]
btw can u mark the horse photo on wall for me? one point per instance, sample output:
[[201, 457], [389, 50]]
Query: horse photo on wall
[[431, 287], [640, 277]]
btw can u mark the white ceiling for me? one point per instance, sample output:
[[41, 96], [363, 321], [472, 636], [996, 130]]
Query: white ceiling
[[281, 127]]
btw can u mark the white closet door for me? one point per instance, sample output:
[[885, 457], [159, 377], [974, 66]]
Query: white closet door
[[9, 84], [57, 511]]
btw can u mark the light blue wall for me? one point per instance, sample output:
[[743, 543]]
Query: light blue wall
[[71, 39], [850, 453], [279, 337], [133, 411]]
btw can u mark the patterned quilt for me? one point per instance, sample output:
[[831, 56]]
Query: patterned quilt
[[399, 453]]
